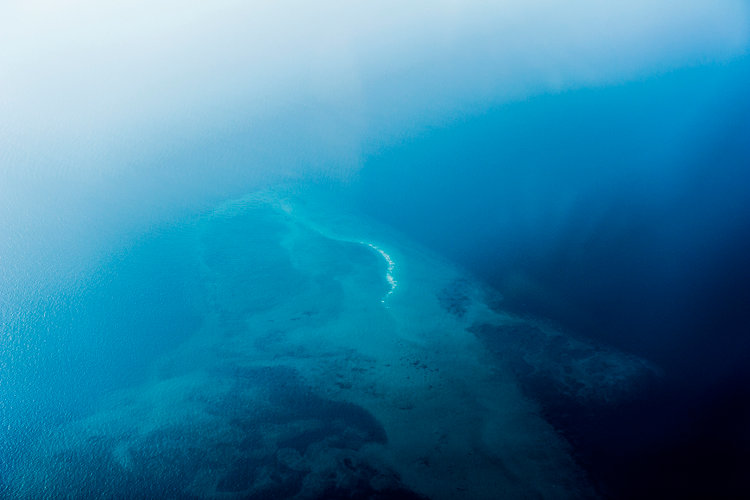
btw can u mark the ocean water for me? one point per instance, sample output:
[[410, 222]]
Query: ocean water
[[444, 251], [621, 214], [270, 349]]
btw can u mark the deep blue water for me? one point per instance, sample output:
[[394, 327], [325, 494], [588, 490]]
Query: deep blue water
[[623, 214]]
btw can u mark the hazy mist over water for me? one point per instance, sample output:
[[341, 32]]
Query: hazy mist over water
[[588, 160]]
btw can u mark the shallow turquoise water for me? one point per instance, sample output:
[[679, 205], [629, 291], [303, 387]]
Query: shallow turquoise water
[[261, 351]]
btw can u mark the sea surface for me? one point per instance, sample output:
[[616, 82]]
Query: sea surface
[[476, 254]]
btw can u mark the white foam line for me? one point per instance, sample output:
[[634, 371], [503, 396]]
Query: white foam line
[[389, 273]]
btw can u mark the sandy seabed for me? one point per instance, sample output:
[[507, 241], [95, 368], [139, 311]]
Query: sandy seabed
[[334, 359]]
